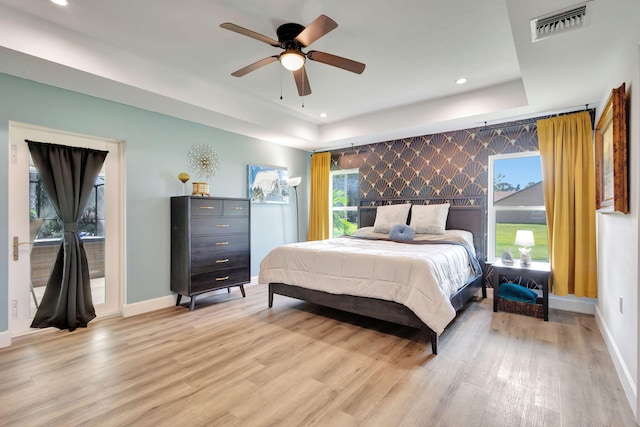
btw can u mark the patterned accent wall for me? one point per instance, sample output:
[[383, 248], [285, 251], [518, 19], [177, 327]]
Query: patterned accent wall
[[451, 164]]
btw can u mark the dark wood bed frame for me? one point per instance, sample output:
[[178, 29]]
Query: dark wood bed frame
[[461, 216]]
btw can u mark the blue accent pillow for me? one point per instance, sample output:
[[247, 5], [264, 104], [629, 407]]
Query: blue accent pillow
[[517, 293], [401, 232]]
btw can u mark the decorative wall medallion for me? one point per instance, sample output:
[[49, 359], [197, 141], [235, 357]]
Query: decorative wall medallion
[[203, 161]]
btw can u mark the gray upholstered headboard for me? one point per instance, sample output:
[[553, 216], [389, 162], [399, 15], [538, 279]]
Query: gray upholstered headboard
[[465, 213]]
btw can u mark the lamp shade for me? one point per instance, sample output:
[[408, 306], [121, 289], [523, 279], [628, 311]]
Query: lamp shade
[[292, 60], [294, 181], [524, 238]]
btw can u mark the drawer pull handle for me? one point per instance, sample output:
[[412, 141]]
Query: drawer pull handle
[[222, 279], [222, 261], [222, 225], [222, 243], [238, 208], [207, 207]]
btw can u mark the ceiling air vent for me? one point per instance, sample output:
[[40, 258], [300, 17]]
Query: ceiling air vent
[[572, 18]]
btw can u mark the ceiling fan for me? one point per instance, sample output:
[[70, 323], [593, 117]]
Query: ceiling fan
[[293, 38]]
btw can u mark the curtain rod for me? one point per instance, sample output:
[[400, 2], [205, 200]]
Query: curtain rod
[[502, 125], [509, 124]]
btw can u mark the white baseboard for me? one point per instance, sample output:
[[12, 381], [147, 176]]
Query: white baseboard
[[128, 310], [572, 303], [5, 339], [626, 379], [148, 305], [142, 307]]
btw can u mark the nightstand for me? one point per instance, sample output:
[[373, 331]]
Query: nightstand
[[535, 276]]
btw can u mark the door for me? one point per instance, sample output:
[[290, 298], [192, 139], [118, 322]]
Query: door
[[26, 281]]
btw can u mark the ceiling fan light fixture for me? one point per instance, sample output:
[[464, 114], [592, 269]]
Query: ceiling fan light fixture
[[292, 60]]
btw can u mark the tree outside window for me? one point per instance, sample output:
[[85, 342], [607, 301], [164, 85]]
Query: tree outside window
[[344, 202]]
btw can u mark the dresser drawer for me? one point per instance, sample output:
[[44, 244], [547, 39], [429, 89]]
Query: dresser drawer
[[214, 280], [219, 244], [206, 207], [203, 226], [207, 262], [236, 208]]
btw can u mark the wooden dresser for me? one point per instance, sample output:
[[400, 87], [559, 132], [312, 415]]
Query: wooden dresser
[[210, 245]]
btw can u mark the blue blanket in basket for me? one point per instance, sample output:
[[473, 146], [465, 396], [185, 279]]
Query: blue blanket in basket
[[516, 292]]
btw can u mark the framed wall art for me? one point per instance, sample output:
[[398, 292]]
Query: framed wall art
[[611, 155], [268, 184]]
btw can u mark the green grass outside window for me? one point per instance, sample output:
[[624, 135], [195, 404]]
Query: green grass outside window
[[506, 235]]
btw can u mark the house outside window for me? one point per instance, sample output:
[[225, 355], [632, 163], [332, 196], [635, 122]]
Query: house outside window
[[516, 202], [343, 190]]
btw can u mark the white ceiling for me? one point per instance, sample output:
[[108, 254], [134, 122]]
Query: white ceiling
[[172, 57]]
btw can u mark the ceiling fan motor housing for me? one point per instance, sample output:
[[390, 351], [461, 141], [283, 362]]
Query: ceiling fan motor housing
[[287, 34]]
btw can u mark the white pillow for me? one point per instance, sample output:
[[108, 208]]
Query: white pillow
[[389, 215], [429, 219]]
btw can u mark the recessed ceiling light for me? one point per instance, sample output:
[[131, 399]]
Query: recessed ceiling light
[[323, 115], [461, 81], [60, 2]]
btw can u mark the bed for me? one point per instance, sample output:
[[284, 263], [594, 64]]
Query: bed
[[289, 273]]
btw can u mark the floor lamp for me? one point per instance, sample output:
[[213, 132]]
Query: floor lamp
[[294, 182]]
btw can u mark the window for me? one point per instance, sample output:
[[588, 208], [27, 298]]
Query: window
[[516, 202], [90, 223], [343, 191]]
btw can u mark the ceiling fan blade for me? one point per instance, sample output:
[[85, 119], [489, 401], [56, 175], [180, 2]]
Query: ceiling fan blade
[[336, 61], [245, 32], [258, 64], [302, 82], [318, 28]]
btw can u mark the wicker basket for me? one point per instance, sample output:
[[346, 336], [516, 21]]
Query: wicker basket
[[528, 309]]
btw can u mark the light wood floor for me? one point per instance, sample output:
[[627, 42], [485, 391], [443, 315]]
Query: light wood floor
[[234, 362]]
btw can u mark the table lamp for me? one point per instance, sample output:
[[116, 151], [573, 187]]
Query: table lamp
[[524, 239]]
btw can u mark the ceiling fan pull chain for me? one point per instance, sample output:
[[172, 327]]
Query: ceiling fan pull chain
[[281, 84], [303, 88]]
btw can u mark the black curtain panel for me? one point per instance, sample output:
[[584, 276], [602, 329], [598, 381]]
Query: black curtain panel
[[68, 175]]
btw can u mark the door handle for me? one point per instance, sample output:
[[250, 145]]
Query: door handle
[[16, 245]]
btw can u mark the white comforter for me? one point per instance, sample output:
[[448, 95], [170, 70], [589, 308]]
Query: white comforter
[[421, 277]]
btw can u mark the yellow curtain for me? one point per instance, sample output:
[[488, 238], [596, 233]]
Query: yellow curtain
[[568, 183], [319, 205]]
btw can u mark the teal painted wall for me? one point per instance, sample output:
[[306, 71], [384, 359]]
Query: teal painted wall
[[156, 148]]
